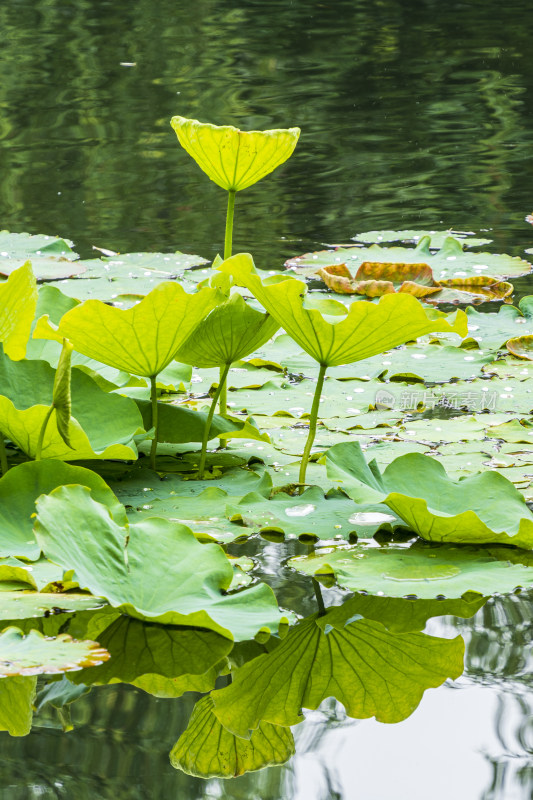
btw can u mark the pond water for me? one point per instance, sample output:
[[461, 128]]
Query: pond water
[[413, 115]]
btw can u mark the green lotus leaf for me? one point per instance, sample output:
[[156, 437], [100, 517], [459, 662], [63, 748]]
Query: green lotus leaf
[[311, 515], [35, 654], [167, 688], [103, 425], [61, 396], [16, 705], [412, 237], [367, 328], [138, 648], [39, 575], [405, 615], [141, 340], [231, 158], [18, 299], [450, 261], [510, 367], [25, 605], [181, 424], [481, 509], [27, 482], [371, 671], [231, 331], [22, 245], [424, 571], [521, 347], [207, 750], [513, 431], [491, 331], [153, 570]]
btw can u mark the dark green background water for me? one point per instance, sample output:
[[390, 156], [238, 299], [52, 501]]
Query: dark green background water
[[412, 114]]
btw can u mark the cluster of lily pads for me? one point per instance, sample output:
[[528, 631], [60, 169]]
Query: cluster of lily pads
[[397, 435]]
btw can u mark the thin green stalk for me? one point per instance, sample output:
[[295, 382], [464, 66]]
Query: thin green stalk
[[319, 598], [228, 241], [155, 420], [3, 455], [209, 420], [312, 425], [39, 450], [223, 400]]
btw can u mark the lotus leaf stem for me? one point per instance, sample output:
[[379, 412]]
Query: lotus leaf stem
[[39, 449], [312, 425], [319, 598], [209, 420], [3, 455], [155, 420], [228, 241]]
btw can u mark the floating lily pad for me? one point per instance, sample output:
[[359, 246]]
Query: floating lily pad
[[207, 750], [492, 331], [22, 245], [451, 261], [513, 431], [35, 654], [481, 509], [311, 515], [467, 238], [124, 565], [25, 605], [423, 571]]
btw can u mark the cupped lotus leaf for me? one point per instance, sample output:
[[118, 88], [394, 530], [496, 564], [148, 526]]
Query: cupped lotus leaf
[[410, 236], [367, 328], [35, 654], [33, 605], [16, 704], [311, 515], [207, 750], [230, 332], [138, 648], [481, 509], [141, 340], [27, 482], [125, 564], [422, 570], [103, 425], [23, 428], [370, 670], [18, 300], [521, 347], [40, 575], [232, 158], [450, 261]]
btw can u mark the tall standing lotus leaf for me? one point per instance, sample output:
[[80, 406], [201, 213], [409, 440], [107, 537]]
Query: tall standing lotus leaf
[[18, 299], [154, 570], [370, 670], [61, 400], [207, 750], [232, 158], [365, 330], [484, 508], [141, 340], [232, 331]]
